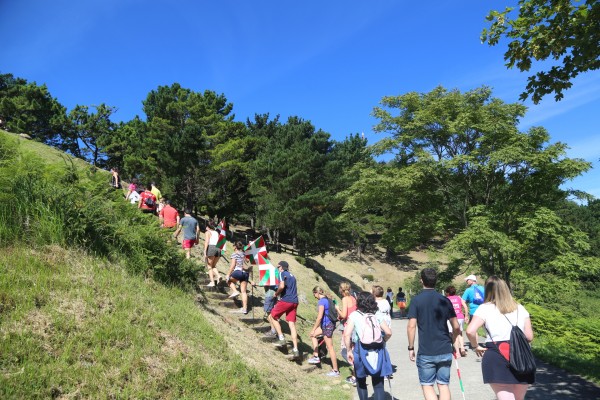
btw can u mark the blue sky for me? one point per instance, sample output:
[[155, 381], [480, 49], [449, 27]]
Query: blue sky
[[329, 62]]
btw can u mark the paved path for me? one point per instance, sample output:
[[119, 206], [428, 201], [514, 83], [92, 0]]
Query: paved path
[[552, 383]]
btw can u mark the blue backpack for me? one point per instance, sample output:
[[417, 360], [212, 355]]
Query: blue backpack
[[477, 295]]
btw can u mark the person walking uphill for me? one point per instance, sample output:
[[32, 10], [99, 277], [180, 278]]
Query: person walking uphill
[[498, 314], [287, 304], [323, 326], [366, 336], [211, 252], [473, 296], [147, 201], [191, 230], [431, 311]]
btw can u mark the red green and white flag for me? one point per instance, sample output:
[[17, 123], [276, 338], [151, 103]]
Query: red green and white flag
[[222, 240], [254, 248], [268, 274], [256, 253]]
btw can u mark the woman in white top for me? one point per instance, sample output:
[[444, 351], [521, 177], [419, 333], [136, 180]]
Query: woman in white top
[[498, 314], [212, 252]]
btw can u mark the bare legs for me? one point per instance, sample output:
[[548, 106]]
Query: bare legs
[[211, 265], [429, 392], [509, 392]]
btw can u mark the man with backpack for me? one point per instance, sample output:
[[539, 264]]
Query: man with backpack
[[147, 201], [430, 312], [473, 296]]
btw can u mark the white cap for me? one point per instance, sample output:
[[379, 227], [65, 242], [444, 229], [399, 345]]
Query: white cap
[[471, 278]]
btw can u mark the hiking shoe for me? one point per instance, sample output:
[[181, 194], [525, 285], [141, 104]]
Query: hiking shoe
[[333, 374], [351, 380], [280, 343], [315, 360], [234, 294], [296, 354], [211, 284]]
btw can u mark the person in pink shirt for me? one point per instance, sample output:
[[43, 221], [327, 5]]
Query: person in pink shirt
[[459, 305]]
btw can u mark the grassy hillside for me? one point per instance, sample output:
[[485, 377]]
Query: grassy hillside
[[97, 302]]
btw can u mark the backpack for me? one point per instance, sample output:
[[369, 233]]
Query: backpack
[[477, 295], [370, 336], [332, 313], [521, 360], [149, 202]]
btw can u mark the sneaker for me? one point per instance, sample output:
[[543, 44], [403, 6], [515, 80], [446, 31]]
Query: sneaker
[[234, 294], [280, 343], [240, 311], [244, 311], [333, 374], [211, 284], [271, 334], [351, 380], [296, 354], [314, 360]]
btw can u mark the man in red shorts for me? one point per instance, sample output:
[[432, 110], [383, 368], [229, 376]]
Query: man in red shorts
[[287, 304], [168, 216], [191, 230]]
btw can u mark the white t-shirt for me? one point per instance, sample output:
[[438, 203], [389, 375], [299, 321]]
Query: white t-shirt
[[496, 323], [383, 312], [134, 197]]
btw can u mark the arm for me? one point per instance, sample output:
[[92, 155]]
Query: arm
[[465, 309], [318, 321], [455, 328], [528, 330], [476, 323], [386, 330], [280, 288], [197, 231], [411, 329], [206, 240], [231, 266], [348, 340]]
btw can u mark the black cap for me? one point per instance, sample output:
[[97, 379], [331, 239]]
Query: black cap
[[284, 265]]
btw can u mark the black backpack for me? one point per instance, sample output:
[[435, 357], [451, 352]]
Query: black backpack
[[149, 202], [521, 360], [332, 313]]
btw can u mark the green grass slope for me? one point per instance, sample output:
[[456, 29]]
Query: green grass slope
[[97, 302], [74, 326]]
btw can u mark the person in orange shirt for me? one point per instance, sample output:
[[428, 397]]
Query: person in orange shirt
[[168, 216]]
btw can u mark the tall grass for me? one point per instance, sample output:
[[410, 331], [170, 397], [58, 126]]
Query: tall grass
[[76, 327], [44, 204]]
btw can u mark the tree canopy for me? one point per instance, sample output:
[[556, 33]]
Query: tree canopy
[[565, 31]]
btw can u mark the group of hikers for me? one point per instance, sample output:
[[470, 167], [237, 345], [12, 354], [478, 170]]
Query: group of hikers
[[365, 322], [365, 317]]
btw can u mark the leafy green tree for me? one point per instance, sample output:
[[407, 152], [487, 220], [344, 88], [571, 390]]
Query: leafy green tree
[[186, 145], [29, 108], [463, 170], [286, 181], [92, 130], [568, 32]]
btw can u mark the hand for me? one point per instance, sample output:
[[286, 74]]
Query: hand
[[411, 355], [350, 357], [480, 350]]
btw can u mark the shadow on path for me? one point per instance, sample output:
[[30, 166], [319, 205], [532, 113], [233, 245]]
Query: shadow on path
[[553, 383]]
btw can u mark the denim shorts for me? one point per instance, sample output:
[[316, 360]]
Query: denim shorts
[[434, 369]]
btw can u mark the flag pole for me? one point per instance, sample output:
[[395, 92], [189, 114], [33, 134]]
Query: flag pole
[[462, 389]]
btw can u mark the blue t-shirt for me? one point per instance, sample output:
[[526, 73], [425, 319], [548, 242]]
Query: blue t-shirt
[[289, 293], [469, 295], [189, 224], [432, 311], [325, 303]]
